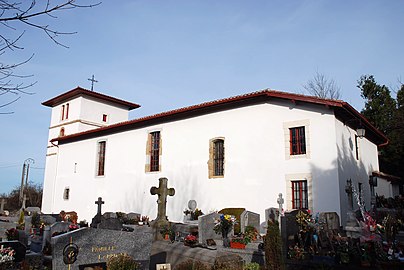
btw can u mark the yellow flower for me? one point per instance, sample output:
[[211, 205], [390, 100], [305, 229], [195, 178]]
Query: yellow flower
[[227, 217]]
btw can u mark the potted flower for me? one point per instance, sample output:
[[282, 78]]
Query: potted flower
[[6, 258], [239, 242], [167, 233], [190, 240], [223, 226], [12, 234]]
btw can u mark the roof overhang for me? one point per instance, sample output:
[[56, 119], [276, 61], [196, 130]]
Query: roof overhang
[[78, 91], [343, 111]]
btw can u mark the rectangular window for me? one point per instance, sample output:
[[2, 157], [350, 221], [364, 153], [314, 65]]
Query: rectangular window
[[300, 195], [62, 113], [101, 158], [66, 193], [67, 111], [297, 141], [218, 157], [356, 147], [104, 118], [155, 151]]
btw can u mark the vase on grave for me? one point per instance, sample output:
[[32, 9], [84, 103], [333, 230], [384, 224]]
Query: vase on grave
[[225, 235]]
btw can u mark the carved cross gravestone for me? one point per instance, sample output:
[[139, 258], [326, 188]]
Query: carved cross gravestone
[[280, 202], [162, 191], [98, 217], [99, 202]]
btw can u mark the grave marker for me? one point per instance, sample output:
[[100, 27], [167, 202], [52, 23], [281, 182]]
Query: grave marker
[[96, 246], [248, 218]]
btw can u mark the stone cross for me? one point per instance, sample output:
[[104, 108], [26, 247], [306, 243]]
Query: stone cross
[[99, 202], [3, 202], [280, 203], [162, 191]]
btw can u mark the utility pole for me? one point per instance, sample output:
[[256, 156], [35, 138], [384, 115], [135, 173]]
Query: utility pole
[[24, 176]]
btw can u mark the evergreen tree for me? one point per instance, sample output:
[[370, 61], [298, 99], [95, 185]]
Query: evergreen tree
[[386, 114]]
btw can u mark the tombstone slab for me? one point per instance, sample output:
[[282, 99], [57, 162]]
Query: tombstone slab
[[206, 223], [248, 218], [95, 246]]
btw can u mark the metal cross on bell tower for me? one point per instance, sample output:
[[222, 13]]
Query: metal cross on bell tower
[[92, 80]]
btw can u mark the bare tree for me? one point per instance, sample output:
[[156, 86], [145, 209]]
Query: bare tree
[[323, 87], [17, 17]]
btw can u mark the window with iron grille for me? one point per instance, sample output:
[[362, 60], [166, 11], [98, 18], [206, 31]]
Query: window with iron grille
[[66, 194], [297, 141], [300, 195], [218, 157], [101, 158], [155, 151]]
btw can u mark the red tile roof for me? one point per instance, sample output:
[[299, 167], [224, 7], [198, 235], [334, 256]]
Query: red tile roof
[[386, 176], [342, 110], [78, 91]]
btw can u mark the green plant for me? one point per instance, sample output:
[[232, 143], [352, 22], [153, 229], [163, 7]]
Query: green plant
[[251, 232], [224, 223], [166, 230], [252, 266], [273, 247], [36, 220], [191, 265], [12, 234], [122, 262]]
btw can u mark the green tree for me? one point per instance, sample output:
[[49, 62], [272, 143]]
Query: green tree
[[386, 114]]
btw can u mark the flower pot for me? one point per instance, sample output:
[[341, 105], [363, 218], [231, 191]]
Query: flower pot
[[237, 245], [167, 237]]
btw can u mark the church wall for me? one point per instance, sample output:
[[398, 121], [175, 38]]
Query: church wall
[[384, 188], [349, 167], [255, 164], [92, 110]]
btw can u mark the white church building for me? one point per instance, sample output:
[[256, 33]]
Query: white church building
[[240, 151]]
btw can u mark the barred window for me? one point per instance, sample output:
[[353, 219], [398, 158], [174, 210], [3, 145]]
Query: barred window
[[218, 157], [299, 195], [155, 151], [297, 141]]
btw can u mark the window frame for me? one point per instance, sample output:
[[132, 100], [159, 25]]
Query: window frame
[[287, 127], [66, 194], [217, 158], [300, 194], [289, 178], [101, 157], [297, 140], [155, 151]]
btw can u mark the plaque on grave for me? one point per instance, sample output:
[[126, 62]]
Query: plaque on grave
[[97, 245]]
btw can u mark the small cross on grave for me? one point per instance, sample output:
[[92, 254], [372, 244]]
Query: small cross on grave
[[162, 191], [3, 202], [99, 202], [280, 202]]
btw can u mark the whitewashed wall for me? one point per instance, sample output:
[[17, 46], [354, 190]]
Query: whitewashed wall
[[358, 170], [255, 164]]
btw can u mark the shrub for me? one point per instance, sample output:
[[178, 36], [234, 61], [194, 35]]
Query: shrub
[[228, 262], [191, 265], [36, 220], [252, 266], [122, 262], [273, 247]]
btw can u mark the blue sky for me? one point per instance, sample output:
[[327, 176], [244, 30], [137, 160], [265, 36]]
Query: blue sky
[[169, 54]]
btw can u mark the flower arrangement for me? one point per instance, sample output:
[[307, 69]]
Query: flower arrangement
[[12, 234], [167, 233], [190, 240], [6, 255], [194, 214], [224, 224], [73, 227]]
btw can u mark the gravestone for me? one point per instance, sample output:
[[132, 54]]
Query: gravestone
[[289, 228], [162, 191], [192, 205], [206, 223], [109, 215], [48, 219], [32, 209], [330, 220], [96, 246], [134, 216], [59, 227], [23, 237], [97, 218], [272, 214], [4, 226], [248, 218], [110, 224], [280, 202]]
